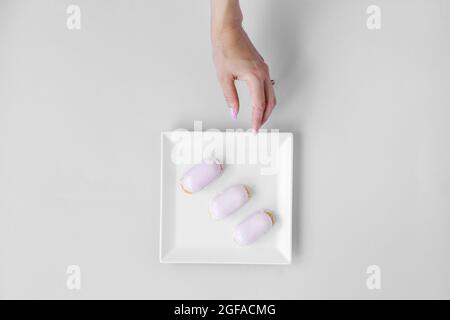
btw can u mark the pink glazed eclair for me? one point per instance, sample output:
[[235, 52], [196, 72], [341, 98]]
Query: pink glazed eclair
[[200, 175], [253, 227], [228, 201]]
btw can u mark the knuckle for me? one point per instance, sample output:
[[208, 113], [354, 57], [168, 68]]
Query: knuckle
[[271, 104], [223, 77], [259, 72], [229, 97], [258, 107], [254, 75], [263, 70], [223, 81]]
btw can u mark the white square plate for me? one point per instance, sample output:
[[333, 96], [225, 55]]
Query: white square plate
[[262, 162]]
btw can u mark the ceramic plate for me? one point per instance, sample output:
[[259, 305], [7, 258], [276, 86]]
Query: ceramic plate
[[262, 162]]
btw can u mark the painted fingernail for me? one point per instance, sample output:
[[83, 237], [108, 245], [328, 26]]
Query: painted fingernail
[[233, 113]]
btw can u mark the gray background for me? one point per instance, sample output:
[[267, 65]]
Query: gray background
[[80, 120]]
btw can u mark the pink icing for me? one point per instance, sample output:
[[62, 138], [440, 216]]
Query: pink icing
[[200, 175], [228, 201], [252, 227]]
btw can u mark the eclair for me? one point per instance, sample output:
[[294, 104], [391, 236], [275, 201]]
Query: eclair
[[228, 201], [253, 227], [200, 175]]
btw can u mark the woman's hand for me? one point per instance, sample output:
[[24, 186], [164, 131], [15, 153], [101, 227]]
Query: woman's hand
[[236, 58]]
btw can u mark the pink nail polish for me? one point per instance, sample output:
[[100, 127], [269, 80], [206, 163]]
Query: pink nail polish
[[233, 113]]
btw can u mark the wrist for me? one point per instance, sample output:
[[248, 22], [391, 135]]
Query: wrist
[[226, 34]]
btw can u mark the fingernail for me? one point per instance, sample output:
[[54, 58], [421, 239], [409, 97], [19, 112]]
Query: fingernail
[[255, 131], [233, 113]]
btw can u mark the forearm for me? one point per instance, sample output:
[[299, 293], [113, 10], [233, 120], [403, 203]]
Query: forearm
[[226, 16]]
